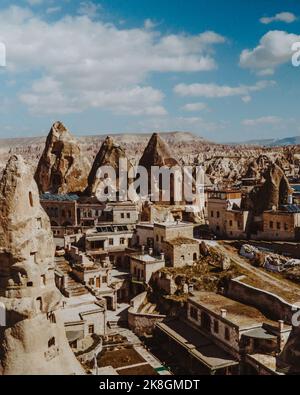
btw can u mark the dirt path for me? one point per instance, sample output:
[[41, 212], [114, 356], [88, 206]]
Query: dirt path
[[286, 289]]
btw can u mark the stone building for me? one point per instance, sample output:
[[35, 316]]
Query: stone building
[[222, 336], [282, 224], [142, 266], [225, 216], [33, 341], [181, 251]]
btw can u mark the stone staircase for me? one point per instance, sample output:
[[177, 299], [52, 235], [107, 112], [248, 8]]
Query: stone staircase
[[72, 287]]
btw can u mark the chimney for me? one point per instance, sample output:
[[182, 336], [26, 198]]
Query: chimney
[[223, 313], [143, 249], [290, 199], [280, 325], [162, 256], [150, 251]]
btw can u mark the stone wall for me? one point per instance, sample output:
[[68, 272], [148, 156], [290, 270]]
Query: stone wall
[[140, 323], [268, 303]]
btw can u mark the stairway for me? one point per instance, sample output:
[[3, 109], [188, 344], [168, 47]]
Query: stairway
[[72, 287]]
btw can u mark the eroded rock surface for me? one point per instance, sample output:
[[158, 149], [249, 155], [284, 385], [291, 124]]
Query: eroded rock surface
[[62, 168], [33, 340]]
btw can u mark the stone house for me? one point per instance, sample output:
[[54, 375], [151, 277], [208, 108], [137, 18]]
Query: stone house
[[142, 266], [181, 251]]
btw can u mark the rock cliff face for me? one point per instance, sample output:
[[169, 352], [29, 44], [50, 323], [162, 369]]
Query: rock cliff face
[[109, 154], [32, 340], [62, 168]]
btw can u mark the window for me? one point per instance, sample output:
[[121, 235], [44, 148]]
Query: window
[[271, 224], [111, 242], [122, 240], [157, 238], [51, 342], [63, 213], [278, 225], [230, 223], [286, 227], [91, 329], [128, 215], [216, 326], [91, 281], [30, 284], [122, 215], [194, 313], [218, 214], [212, 214], [69, 214], [195, 257], [30, 199], [227, 334], [104, 279], [161, 239]]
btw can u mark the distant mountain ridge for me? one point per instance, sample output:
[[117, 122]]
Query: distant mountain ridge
[[273, 142]]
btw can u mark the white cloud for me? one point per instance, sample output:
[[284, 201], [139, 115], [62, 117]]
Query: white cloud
[[191, 107], [267, 120], [287, 17], [274, 49], [52, 10], [89, 9], [86, 63], [220, 91], [149, 24]]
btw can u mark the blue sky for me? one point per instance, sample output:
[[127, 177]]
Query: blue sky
[[219, 69]]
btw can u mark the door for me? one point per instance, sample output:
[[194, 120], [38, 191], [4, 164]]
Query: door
[[98, 282]]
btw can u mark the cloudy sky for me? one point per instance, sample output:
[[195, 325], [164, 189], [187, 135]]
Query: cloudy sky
[[220, 69]]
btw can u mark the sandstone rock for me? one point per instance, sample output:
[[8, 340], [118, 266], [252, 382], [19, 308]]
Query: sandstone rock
[[109, 154], [272, 194], [62, 167], [33, 340], [157, 153]]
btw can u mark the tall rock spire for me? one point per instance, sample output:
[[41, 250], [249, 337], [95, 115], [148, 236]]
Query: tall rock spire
[[157, 153], [62, 168], [33, 340], [109, 154]]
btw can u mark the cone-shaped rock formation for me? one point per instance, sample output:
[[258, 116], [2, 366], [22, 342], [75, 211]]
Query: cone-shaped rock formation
[[109, 154], [62, 168], [33, 339]]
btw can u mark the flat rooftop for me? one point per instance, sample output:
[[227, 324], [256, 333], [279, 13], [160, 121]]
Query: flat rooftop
[[146, 258], [200, 347], [182, 240], [173, 224], [239, 314]]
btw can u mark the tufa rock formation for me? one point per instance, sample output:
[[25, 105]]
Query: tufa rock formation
[[273, 193], [157, 153], [62, 168], [33, 340], [109, 154]]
